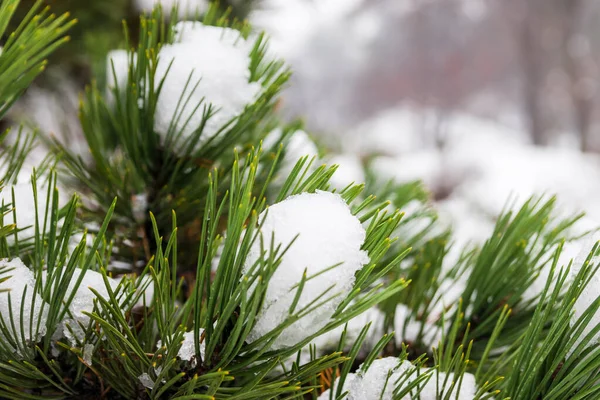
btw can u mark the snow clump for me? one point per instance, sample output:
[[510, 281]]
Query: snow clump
[[24, 206], [466, 389], [218, 62], [326, 234], [88, 352], [21, 279], [588, 296], [206, 65], [188, 349], [84, 302], [146, 381], [374, 384]]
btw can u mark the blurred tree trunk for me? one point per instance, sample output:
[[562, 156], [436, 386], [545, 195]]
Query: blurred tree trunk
[[577, 59], [533, 72]]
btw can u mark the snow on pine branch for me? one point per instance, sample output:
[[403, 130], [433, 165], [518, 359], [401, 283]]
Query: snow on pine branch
[[205, 66], [324, 234], [185, 8], [23, 312]]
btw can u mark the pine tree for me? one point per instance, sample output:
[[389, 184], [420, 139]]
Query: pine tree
[[202, 257]]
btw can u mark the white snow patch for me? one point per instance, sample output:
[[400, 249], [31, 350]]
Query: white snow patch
[[117, 70], [407, 329], [205, 66], [467, 391], [88, 352], [424, 165], [147, 294], [326, 234], [188, 349], [330, 340], [146, 381], [84, 301], [139, 206], [470, 225], [374, 384], [297, 145], [589, 294], [186, 8], [481, 166], [379, 382], [350, 170], [219, 65], [290, 23], [390, 132], [493, 172], [24, 206], [21, 279], [448, 294]]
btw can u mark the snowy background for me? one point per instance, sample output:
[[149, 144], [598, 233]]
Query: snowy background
[[488, 102], [483, 100]]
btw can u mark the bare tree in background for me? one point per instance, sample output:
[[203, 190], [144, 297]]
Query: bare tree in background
[[550, 38], [579, 66], [525, 17], [537, 59]]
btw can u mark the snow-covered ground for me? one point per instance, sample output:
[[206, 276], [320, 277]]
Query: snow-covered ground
[[480, 167], [474, 159], [472, 164]]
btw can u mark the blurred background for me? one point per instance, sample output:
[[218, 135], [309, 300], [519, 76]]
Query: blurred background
[[482, 100]]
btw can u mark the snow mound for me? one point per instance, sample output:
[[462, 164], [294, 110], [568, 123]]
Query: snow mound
[[206, 67], [589, 294], [467, 390], [374, 383], [24, 208], [84, 302], [424, 165], [326, 234], [21, 279], [385, 374], [390, 132], [329, 341]]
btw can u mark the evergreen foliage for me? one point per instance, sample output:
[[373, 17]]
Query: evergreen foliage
[[140, 286]]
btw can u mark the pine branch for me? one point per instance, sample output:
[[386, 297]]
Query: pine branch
[[130, 161], [557, 356], [25, 50]]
